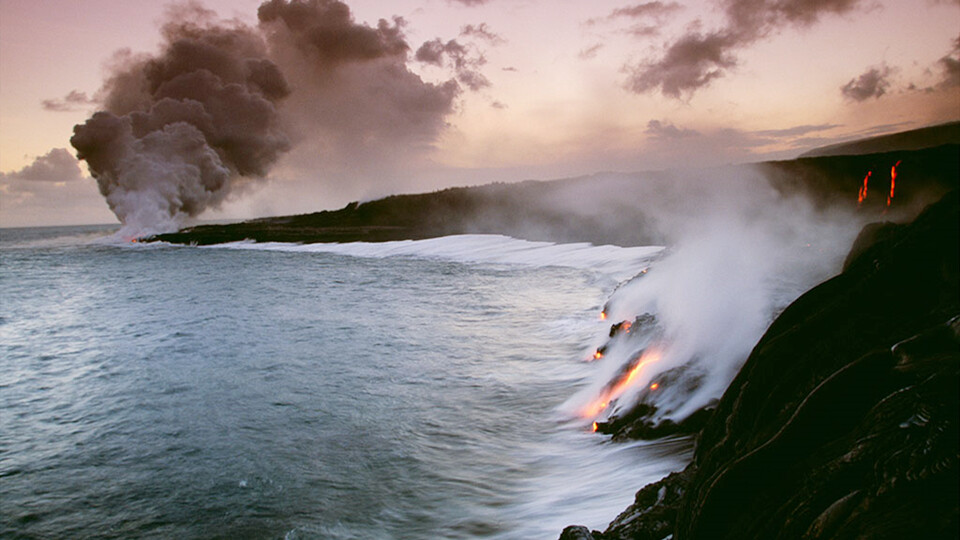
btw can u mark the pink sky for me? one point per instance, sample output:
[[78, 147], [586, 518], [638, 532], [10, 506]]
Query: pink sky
[[546, 89]]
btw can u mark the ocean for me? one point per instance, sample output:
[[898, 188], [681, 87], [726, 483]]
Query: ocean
[[409, 390]]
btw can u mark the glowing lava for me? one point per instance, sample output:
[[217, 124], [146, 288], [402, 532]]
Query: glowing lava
[[597, 355], [621, 384], [893, 181], [862, 195], [603, 315], [654, 386], [595, 427]]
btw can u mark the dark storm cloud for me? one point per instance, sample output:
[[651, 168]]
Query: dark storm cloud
[[58, 165], [73, 101], [184, 128], [873, 83], [695, 59]]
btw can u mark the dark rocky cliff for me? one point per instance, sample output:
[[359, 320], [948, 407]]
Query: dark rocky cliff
[[843, 422]]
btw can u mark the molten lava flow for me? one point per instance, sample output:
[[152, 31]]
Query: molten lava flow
[[597, 355], [654, 386], [603, 315], [893, 181], [862, 195], [620, 385], [595, 427]]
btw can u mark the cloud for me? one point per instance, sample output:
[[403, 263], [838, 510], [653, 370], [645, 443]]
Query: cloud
[[695, 59], [796, 131], [356, 110], [469, 3], [591, 51], [873, 83], [649, 9], [646, 18], [50, 191], [666, 130], [482, 31], [950, 67], [57, 165], [689, 64], [466, 59], [73, 101]]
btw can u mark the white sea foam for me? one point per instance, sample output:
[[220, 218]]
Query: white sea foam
[[617, 262]]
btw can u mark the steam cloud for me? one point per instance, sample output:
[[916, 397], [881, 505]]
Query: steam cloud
[[740, 252], [183, 129], [696, 59], [221, 102]]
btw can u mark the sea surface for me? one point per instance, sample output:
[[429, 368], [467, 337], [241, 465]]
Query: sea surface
[[403, 390]]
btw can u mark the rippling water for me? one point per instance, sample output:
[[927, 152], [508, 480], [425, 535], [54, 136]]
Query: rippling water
[[363, 392]]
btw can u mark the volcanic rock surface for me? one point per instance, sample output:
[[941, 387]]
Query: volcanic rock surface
[[843, 422]]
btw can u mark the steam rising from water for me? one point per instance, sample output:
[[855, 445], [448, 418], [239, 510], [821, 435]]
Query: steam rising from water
[[741, 253], [182, 130], [216, 108]]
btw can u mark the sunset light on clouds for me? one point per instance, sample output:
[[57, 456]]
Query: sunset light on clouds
[[415, 95]]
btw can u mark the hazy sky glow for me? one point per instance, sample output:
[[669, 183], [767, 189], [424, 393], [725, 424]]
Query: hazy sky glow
[[493, 90]]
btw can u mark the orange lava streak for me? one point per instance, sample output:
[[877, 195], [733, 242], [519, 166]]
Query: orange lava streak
[[893, 181], [603, 315], [595, 426], [862, 195], [615, 390], [597, 355]]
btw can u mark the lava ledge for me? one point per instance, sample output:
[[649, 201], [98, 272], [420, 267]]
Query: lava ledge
[[843, 422]]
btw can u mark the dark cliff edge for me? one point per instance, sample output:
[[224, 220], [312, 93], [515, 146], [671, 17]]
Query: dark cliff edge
[[843, 422]]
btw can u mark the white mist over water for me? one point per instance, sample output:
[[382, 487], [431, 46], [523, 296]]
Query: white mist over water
[[742, 252]]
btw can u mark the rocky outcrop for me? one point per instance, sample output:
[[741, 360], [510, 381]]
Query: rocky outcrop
[[843, 422]]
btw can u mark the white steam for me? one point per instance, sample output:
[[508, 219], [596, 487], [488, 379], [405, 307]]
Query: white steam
[[741, 253]]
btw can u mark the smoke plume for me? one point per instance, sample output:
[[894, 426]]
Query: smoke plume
[[183, 129], [356, 109]]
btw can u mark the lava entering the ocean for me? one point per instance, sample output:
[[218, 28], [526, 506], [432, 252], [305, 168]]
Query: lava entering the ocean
[[621, 384]]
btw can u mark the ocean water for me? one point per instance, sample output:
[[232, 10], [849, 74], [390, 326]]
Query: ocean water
[[401, 390]]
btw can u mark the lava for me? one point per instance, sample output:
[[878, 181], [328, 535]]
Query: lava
[[654, 386], [618, 386], [862, 195], [893, 181], [603, 315], [597, 355], [595, 426]]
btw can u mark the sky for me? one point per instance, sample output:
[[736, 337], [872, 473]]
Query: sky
[[316, 103]]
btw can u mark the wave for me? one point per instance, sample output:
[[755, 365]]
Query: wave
[[617, 262]]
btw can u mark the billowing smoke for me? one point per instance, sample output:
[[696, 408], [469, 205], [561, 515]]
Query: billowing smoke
[[739, 253], [185, 128], [356, 111]]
